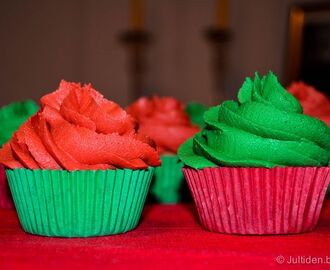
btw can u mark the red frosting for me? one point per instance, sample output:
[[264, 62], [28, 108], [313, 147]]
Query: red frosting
[[77, 129], [314, 103], [164, 120]]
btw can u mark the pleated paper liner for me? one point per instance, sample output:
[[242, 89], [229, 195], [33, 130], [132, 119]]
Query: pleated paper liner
[[167, 181], [6, 201], [79, 203], [258, 200]]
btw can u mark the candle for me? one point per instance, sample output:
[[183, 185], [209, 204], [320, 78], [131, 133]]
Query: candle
[[222, 14], [136, 18]]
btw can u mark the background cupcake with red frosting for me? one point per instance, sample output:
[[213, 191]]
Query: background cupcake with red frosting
[[79, 167], [165, 121], [314, 102]]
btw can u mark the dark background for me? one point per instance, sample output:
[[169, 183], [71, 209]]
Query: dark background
[[43, 42], [315, 68]]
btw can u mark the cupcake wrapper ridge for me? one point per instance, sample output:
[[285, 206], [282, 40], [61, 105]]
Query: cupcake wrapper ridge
[[79, 203], [167, 180], [258, 200]]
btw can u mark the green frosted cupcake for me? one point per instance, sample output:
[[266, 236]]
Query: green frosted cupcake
[[165, 121], [78, 167], [13, 115], [259, 166], [168, 180], [196, 112]]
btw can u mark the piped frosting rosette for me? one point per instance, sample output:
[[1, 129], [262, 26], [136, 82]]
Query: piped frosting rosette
[[164, 120], [265, 128], [77, 129], [260, 166]]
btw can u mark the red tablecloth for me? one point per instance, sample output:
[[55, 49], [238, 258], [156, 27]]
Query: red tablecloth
[[168, 237]]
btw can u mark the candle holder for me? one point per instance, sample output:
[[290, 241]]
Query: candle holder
[[219, 40], [136, 41]]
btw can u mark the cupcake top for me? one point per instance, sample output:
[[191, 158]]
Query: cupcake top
[[164, 120], [196, 111], [265, 128], [314, 103], [76, 128], [13, 115]]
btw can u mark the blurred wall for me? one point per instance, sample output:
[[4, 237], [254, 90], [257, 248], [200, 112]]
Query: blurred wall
[[43, 42]]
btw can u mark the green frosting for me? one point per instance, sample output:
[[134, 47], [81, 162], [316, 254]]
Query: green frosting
[[196, 112], [265, 128], [14, 115]]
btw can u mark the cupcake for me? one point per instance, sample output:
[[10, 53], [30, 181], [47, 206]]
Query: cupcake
[[260, 166], [11, 117], [164, 120], [195, 112], [314, 103], [78, 167]]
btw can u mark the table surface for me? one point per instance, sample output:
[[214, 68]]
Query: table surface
[[168, 237]]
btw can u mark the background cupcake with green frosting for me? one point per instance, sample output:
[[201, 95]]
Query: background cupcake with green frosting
[[165, 121], [79, 167], [260, 166], [196, 112], [11, 117]]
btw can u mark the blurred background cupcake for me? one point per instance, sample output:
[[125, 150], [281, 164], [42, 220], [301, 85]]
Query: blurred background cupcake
[[196, 111], [165, 121], [314, 102], [78, 167], [11, 117], [260, 166]]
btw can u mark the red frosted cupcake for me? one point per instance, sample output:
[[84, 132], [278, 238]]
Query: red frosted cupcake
[[79, 167], [260, 166], [314, 103], [165, 121]]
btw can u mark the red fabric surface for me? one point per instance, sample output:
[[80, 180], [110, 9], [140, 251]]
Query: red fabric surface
[[168, 237]]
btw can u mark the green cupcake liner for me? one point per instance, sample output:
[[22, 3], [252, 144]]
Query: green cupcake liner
[[167, 180], [79, 203]]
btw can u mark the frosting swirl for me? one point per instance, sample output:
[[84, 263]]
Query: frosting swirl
[[266, 128], [314, 103], [164, 120], [78, 129], [13, 115]]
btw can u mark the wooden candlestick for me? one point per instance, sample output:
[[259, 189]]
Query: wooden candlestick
[[136, 43], [136, 40], [218, 36], [222, 14], [137, 16], [218, 39]]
